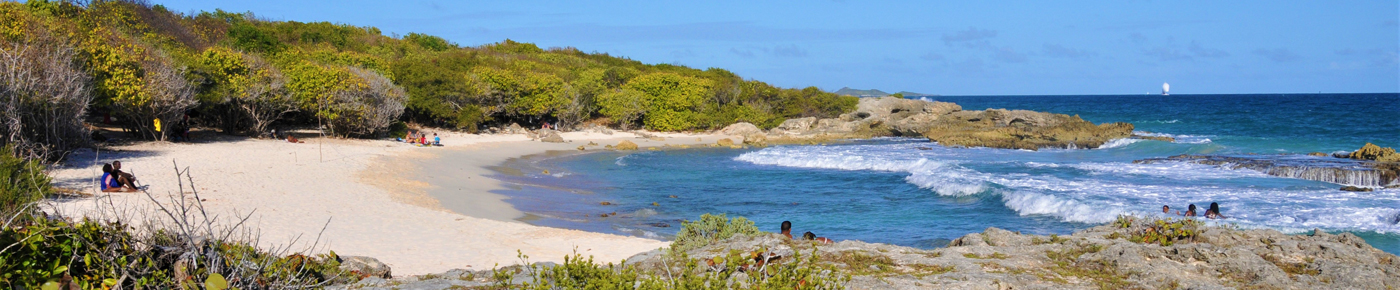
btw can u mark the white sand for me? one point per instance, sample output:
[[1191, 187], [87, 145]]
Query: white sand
[[371, 192]]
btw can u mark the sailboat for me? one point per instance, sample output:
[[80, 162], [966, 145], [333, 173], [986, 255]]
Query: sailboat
[[1165, 87]]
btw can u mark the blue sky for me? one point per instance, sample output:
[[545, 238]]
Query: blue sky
[[936, 47]]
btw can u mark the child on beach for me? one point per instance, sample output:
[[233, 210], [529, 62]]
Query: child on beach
[[123, 178], [436, 141], [109, 181]]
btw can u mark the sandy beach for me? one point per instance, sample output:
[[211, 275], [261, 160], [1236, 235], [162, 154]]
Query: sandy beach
[[372, 197]]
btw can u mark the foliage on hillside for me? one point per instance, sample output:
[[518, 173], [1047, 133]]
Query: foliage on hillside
[[242, 74]]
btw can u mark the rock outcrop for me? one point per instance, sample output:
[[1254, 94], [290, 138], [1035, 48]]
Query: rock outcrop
[[741, 129], [515, 129], [365, 267], [625, 145], [1213, 257], [1128, 254], [724, 142], [1021, 129], [551, 136], [1375, 153], [1334, 170], [949, 125]]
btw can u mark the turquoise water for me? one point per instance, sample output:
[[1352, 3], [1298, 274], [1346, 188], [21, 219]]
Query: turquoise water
[[912, 192]]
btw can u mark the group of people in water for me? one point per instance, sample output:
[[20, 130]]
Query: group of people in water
[[114, 180], [1213, 212], [416, 138], [787, 231]]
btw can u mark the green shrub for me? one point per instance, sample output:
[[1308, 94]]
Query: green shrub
[[710, 229], [22, 182], [798, 272]]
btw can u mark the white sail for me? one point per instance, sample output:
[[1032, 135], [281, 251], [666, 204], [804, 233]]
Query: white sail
[[1165, 88]]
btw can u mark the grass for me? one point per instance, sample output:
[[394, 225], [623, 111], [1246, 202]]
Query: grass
[[1294, 269], [862, 264], [995, 255], [1067, 265]]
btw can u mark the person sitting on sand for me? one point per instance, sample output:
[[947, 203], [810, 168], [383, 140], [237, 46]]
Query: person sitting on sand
[[436, 140], [1213, 212], [813, 237], [109, 181], [423, 139], [108, 184], [1190, 210], [787, 229], [125, 179], [293, 139]]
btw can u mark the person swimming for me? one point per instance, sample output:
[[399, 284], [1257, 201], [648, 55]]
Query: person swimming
[[813, 237], [786, 229], [1166, 209], [1190, 210], [1213, 212]]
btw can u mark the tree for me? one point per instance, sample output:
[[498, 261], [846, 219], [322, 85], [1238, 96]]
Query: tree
[[44, 94], [623, 106], [671, 99], [367, 106]]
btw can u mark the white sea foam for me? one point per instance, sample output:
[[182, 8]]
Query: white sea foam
[[1115, 143], [1180, 138], [1097, 192], [620, 160], [1030, 203], [1173, 170]]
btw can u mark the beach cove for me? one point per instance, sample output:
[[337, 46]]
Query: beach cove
[[367, 194]]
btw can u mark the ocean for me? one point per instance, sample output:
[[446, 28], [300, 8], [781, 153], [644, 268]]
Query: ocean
[[912, 192]]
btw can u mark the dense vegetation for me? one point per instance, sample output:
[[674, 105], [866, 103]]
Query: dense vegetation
[[149, 68]]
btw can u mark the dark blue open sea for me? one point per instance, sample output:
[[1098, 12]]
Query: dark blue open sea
[[912, 192]]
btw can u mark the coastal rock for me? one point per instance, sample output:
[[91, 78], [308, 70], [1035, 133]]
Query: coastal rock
[[1375, 153], [1340, 171], [625, 145], [756, 140], [1101, 257], [551, 136], [796, 126], [1020, 129], [834, 126], [949, 125], [725, 142], [364, 267], [890, 109], [515, 129], [1356, 189], [1094, 258], [1158, 138], [741, 129]]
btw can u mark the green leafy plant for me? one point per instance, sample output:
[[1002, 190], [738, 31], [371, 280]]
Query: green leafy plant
[[22, 182], [710, 229]]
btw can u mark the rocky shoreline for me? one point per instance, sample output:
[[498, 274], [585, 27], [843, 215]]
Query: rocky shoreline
[[1130, 253], [1362, 170], [942, 122]]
